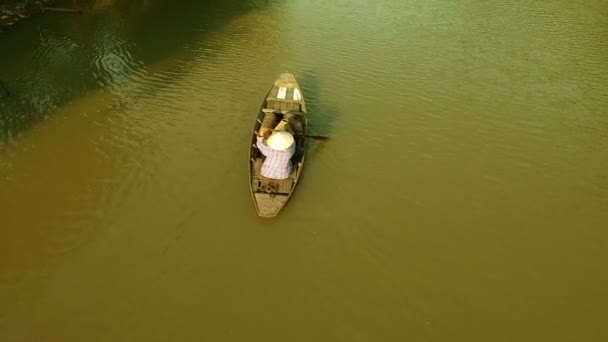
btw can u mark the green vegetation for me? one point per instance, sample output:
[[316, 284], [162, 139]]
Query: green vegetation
[[15, 11], [20, 4]]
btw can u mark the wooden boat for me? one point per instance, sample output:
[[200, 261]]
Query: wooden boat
[[284, 100]]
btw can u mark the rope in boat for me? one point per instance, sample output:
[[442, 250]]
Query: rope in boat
[[268, 189]]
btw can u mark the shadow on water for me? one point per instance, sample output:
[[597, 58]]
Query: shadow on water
[[56, 62], [54, 59]]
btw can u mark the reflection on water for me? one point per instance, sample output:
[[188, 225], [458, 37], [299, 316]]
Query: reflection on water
[[460, 196]]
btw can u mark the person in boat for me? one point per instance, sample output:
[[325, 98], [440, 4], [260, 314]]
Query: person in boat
[[278, 149]]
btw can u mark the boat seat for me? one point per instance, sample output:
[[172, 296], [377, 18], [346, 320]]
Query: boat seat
[[284, 99], [284, 185], [282, 105]]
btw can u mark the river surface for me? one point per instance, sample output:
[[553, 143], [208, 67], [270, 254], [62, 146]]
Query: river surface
[[462, 195]]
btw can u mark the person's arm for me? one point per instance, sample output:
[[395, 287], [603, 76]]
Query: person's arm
[[262, 147]]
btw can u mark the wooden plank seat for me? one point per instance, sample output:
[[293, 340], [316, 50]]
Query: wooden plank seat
[[284, 98]]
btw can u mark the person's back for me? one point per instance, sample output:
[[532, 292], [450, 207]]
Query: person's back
[[281, 147]]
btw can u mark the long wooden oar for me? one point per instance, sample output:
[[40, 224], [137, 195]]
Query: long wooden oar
[[317, 137]]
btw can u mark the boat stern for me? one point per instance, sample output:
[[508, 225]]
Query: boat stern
[[269, 205]]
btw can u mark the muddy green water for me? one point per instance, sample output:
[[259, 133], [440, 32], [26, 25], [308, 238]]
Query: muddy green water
[[462, 196]]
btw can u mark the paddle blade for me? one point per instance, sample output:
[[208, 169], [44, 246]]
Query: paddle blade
[[318, 137]]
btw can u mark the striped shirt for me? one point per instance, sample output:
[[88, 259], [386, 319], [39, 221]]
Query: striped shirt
[[277, 164]]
